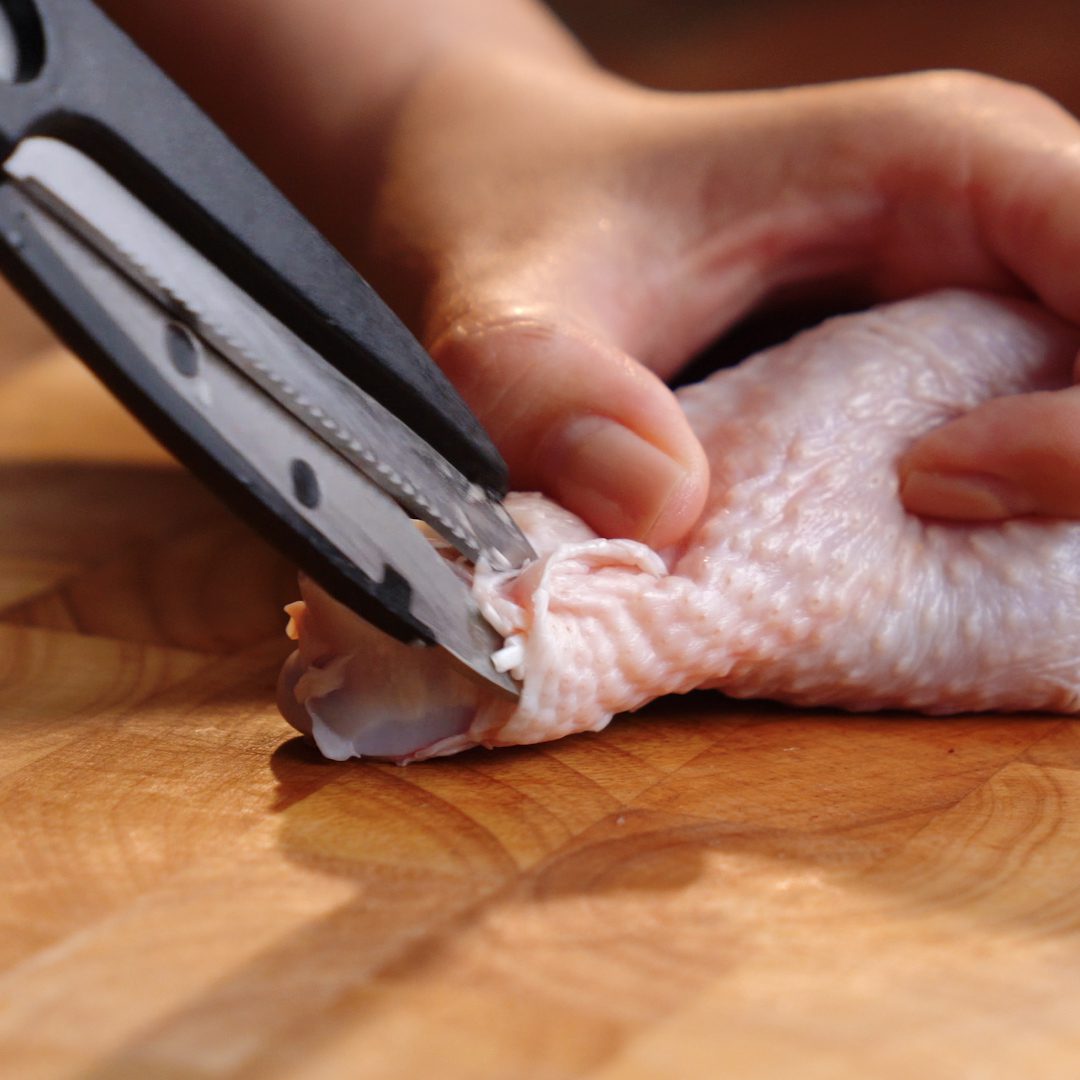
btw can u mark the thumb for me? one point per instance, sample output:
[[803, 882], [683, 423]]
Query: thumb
[[578, 419], [1010, 457]]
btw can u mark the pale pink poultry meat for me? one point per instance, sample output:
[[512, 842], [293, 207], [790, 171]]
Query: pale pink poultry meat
[[805, 580]]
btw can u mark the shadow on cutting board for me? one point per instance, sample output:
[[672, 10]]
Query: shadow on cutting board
[[680, 840]]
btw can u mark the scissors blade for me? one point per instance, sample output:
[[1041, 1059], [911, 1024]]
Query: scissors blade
[[352, 526], [357, 426]]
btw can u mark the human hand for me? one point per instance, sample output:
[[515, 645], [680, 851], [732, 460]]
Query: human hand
[[562, 241]]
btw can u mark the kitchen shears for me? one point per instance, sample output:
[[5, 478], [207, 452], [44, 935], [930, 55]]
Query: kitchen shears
[[237, 334]]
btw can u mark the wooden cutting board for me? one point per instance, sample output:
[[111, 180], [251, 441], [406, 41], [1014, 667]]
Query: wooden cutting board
[[709, 889]]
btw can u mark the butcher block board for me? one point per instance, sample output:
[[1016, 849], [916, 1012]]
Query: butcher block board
[[708, 889]]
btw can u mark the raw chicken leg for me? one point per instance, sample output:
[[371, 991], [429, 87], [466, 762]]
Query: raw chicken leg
[[805, 580]]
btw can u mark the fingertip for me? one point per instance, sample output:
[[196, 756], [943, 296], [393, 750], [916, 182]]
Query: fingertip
[[952, 474], [684, 502], [960, 496], [581, 421], [1014, 456], [620, 481]]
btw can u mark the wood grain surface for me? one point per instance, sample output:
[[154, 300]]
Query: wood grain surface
[[709, 889]]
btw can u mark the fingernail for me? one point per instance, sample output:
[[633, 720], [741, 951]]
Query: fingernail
[[963, 496], [617, 481]]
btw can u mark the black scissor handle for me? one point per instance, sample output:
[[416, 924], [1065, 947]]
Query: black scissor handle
[[79, 78]]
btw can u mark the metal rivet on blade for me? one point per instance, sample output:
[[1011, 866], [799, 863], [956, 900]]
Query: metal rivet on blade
[[183, 349], [305, 484]]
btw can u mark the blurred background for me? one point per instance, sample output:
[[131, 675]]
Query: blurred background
[[744, 44]]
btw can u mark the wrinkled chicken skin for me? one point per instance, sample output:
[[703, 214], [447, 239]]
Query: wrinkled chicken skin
[[805, 581]]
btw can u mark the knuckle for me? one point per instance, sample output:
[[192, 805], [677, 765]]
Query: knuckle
[[947, 90]]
